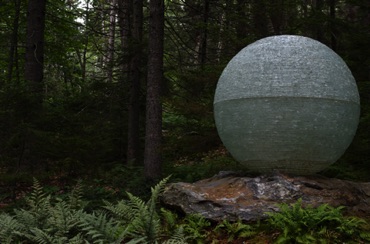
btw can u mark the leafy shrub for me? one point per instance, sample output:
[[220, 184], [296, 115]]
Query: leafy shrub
[[323, 224]]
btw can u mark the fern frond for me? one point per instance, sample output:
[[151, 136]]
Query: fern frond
[[121, 211], [156, 191], [37, 197], [8, 226], [365, 236], [313, 225], [146, 225], [195, 227], [144, 220], [141, 218], [136, 204], [63, 218], [26, 217], [100, 229], [39, 236], [178, 237], [169, 218], [77, 239], [75, 197], [138, 240]]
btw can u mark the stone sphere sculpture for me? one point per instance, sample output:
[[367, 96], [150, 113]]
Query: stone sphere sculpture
[[286, 103]]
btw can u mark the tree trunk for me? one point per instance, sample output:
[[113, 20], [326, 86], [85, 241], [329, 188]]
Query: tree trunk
[[276, 11], [124, 7], [204, 35], [14, 41], [333, 38], [111, 39], [153, 132], [319, 29], [260, 18], [33, 75], [133, 146], [82, 56], [241, 24], [124, 21], [34, 65]]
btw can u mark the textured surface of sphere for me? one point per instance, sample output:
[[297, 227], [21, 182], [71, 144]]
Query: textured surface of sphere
[[286, 103]]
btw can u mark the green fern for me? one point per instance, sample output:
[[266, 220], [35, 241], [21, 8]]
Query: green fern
[[9, 225], [169, 220], [42, 221], [75, 197], [142, 219], [121, 211], [50, 220], [235, 230], [63, 218], [38, 199], [43, 237], [315, 225], [147, 221], [195, 226], [99, 228]]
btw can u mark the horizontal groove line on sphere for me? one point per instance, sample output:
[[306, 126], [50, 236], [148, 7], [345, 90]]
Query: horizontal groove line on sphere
[[289, 97]]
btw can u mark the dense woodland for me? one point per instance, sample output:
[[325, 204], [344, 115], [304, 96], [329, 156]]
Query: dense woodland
[[126, 86], [119, 94]]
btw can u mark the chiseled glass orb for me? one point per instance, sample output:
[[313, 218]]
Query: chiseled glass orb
[[287, 103]]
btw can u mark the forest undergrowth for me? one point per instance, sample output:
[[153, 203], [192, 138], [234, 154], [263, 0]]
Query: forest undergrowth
[[95, 206], [72, 218]]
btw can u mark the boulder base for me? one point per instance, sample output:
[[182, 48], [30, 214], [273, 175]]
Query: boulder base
[[232, 197]]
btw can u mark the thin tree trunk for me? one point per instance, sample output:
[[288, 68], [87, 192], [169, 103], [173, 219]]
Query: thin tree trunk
[[133, 147], [259, 14], [14, 40], [277, 16], [241, 28], [306, 31], [124, 21], [204, 35], [111, 39], [82, 58], [124, 7], [319, 31], [34, 65], [153, 132], [33, 74], [333, 38]]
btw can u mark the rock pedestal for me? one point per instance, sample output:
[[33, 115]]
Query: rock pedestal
[[231, 197]]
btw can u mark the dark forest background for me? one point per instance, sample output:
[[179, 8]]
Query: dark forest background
[[122, 90]]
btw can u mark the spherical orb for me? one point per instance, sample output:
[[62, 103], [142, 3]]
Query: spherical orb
[[286, 103]]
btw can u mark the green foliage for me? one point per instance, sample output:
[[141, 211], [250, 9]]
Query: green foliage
[[9, 225], [315, 225], [235, 230], [55, 220], [45, 220], [99, 228], [142, 219], [195, 227], [50, 219], [203, 166], [169, 220]]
